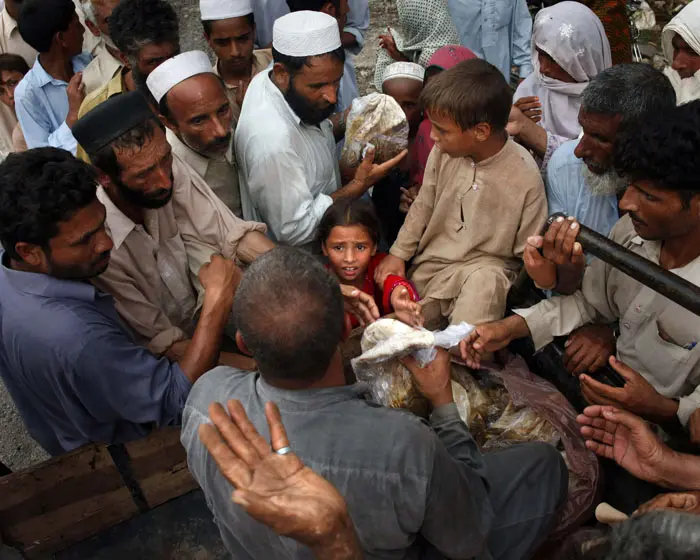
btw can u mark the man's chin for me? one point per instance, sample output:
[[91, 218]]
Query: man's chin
[[603, 182]]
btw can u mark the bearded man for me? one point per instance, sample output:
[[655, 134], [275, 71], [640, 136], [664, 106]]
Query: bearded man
[[580, 179], [285, 144], [680, 40]]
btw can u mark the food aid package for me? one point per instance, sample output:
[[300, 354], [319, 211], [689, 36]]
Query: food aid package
[[375, 120], [501, 406]]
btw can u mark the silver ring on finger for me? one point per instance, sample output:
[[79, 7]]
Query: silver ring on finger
[[284, 450]]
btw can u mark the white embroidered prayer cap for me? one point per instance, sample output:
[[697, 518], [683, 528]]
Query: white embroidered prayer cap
[[305, 33], [175, 70], [409, 70], [211, 10]]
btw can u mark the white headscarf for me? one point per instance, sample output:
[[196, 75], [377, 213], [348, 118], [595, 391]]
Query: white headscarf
[[687, 24], [574, 37]]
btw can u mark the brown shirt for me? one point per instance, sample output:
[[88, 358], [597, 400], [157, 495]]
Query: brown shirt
[[261, 60], [468, 215]]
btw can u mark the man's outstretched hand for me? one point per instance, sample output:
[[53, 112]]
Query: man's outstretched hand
[[278, 490]]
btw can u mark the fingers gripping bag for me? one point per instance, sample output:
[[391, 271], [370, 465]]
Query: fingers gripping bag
[[375, 120]]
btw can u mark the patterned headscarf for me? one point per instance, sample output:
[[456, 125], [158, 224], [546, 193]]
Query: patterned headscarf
[[426, 26], [574, 37]]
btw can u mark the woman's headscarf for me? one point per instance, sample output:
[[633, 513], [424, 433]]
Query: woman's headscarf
[[444, 58], [425, 26], [686, 24], [574, 37]]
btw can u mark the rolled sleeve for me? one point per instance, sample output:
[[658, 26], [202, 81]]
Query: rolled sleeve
[[160, 343], [688, 405]]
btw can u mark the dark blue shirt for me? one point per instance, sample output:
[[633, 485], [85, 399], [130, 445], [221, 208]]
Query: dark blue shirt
[[74, 373]]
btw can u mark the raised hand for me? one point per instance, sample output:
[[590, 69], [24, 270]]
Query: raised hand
[[406, 310], [360, 304]]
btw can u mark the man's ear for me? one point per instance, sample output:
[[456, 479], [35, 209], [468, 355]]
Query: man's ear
[[123, 59], [482, 131], [32, 254], [93, 28], [281, 76], [166, 122], [241, 344], [105, 180]]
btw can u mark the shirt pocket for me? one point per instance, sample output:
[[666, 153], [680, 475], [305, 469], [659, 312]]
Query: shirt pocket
[[661, 358], [499, 13]]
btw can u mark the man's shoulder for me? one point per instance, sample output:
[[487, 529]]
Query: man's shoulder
[[220, 384], [563, 158]]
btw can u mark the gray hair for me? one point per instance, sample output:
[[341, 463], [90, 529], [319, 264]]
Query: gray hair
[[630, 90], [289, 310]]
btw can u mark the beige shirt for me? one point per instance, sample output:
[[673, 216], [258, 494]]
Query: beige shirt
[[11, 42], [220, 174], [261, 60], [153, 270], [657, 337], [470, 215], [19, 144], [101, 69]]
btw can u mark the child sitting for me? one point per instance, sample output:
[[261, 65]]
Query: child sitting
[[349, 233], [482, 196]]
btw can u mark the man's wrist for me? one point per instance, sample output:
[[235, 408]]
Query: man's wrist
[[666, 408], [517, 327], [340, 543], [443, 398]]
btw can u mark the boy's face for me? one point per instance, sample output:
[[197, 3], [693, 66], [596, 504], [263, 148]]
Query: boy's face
[[8, 82], [450, 137]]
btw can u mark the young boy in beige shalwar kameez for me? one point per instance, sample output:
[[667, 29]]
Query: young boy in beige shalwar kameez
[[481, 198]]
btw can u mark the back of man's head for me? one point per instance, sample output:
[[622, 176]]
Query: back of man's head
[[311, 5], [289, 311], [630, 90], [38, 189], [40, 20], [137, 23], [470, 93]]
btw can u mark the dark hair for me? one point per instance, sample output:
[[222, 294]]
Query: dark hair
[[206, 23], [38, 189], [105, 159], [311, 5], [12, 63], [294, 64], [289, 310], [137, 23], [663, 148], [631, 90], [349, 212], [40, 20], [470, 93]]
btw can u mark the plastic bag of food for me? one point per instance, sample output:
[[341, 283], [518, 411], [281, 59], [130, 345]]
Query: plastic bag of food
[[375, 120]]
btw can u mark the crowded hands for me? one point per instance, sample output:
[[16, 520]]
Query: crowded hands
[[278, 490], [359, 304], [530, 107], [405, 309], [434, 380]]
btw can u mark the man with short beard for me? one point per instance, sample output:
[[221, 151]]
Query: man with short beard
[[580, 178], [285, 144], [165, 223], [107, 62], [680, 40], [146, 32], [195, 108]]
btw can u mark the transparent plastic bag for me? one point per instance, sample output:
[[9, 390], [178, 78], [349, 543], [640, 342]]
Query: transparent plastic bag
[[375, 120]]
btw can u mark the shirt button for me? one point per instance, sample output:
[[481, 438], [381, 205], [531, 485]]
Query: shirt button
[[638, 308], [627, 325]]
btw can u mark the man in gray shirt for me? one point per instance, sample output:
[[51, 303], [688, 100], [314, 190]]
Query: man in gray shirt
[[411, 487]]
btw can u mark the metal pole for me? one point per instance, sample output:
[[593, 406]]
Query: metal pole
[[669, 285]]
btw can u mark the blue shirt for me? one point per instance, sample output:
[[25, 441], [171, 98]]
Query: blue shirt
[[499, 31], [567, 192], [41, 103], [73, 372]]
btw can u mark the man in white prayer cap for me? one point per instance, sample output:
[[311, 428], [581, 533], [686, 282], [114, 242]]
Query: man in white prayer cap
[[680, 40], [285, 143], [229, 28], [195, 108]]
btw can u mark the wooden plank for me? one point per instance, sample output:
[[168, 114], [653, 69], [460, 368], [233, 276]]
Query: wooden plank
[[159, 463], [62, 501]]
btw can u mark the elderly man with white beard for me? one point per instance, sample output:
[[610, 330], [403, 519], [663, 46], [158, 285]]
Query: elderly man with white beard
[[680, 40], [580, 178]]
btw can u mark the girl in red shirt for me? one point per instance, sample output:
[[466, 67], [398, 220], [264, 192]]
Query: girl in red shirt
[[349, 233]]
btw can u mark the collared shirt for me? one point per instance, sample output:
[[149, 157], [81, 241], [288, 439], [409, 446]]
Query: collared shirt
[[153, 271], [221, 174], [399, 477], [115, 86], [568, 192], [41, 103], [658, 338], [11, 42], [101, 69], [261, 60], [499, 31], [71, 369], [287, 169]]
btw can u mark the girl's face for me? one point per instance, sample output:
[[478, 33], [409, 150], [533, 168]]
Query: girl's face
[[349, 249]]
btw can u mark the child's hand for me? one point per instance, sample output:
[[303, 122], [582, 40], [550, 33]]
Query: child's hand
[[407, 198], [406, 310]]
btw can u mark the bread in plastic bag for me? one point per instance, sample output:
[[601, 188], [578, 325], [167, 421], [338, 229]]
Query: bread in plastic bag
[[375, 120]]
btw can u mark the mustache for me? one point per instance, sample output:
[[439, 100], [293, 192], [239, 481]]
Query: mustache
[[221, 141], [636, 218]]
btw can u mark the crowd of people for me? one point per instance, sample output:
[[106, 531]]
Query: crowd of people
[[182, 246]]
